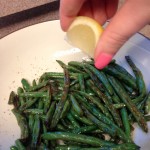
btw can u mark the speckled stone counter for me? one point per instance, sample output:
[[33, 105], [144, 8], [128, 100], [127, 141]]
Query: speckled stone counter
[[17, 14], [26, 13]]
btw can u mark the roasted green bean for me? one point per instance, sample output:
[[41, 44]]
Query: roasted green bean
[[19, 145], [73, 137], [36, 131], [108, 104], [139, 80], [131, 106], [101, 76], [123, 77], [81, 108], [60, 105], [22, 122], [25, 84], [76, 106], [65, 109]]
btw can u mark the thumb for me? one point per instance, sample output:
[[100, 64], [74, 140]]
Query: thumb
[[127, 21]]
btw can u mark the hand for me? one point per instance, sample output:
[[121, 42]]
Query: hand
[[130, 18]]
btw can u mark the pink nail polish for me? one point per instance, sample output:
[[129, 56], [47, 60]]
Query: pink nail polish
[[102, 60]]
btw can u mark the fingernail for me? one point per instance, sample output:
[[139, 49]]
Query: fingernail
[[103, 60]]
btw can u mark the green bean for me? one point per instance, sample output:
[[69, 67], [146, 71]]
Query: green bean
[[126, 99], [73, 137], [58, 111], [60, 75], [97, 131], [19, 145], [76, 106], [147, 104], [91, 62], [57, 97], [89, 91], [104, 119], [108, 104], [60, 127], [139, 80], [63, 147], [102, 126], [147, 118], [13, 148], [139, 76], [34, 94], [43, 89], [124, 146], [76, 86], [73, 69], [102, 77], [72, 143], [21, 99], [40, 104], [60, 105], [76, 64], [67, 124], [123, 70], [42, 117], [36, 131], [55, 111], [34, 111], [85, 129], [13, 99], [82, 119], [91, 108], [59, 81], [47, 100], [130, 90], [51, 75], [94, 79], [113, 97], [65, 109], [44, 131], [62, 64], [42, 147], [96, 102], [28, 104], [125, 120], [34, 83], [46, 105], [31, 122], [141, 105], [108, 96], [81, 82], [114, 72], [25, 84], [74, 82], [120, 105], [73, 120], [22, 122], [50, 113], [39, 86]]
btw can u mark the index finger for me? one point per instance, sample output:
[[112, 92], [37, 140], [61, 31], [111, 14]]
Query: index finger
[[69, 9]]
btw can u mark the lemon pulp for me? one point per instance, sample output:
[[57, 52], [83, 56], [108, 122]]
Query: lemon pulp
[[84, 33]]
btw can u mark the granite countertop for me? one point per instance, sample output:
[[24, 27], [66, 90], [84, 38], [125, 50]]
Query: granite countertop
[[25, 13], [8, 7], [18, 14]]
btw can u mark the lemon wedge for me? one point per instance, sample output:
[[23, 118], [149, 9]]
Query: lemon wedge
[[84, 33]]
